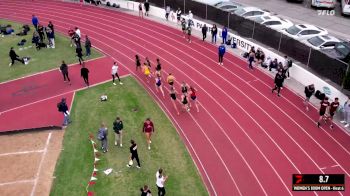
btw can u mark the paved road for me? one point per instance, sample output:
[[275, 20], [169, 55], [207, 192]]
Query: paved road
[[302, 13]]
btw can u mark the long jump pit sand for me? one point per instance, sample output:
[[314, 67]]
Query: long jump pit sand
[[27, 162]]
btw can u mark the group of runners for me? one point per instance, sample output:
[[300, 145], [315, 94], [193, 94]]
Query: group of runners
[[188, 92]]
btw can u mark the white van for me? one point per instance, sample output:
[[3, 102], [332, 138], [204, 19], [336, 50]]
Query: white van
[[345, 7], [323, 3]]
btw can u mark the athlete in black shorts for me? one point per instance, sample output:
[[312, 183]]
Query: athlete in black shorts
[[173, 98], [138, 62], [184, 87], [332, 109], [323, 108]]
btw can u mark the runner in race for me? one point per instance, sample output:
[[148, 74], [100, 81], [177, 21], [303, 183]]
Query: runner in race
[[173, 98], [159, 84], [193, 95]]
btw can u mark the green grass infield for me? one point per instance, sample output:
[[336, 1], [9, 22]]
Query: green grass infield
[[41, 60], [133, 104]]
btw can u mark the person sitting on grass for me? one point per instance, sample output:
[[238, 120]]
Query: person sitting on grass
[[9, 30], [14, 57]]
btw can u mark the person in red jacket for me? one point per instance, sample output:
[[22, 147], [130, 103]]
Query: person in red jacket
[[148, 129]]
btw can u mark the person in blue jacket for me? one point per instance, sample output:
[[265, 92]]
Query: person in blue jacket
[[224, 35], [222, 51], [35, 21]]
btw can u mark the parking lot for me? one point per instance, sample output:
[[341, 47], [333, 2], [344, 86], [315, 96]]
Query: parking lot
[[337, 25]]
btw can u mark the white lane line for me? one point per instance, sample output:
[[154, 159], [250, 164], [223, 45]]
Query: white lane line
[[41, 164], [21, 152], [17, 182]]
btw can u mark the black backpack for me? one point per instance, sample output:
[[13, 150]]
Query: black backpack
[[290, 63]]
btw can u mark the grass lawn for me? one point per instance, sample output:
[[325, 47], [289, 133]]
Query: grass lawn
[[41, 60], [75, 164]]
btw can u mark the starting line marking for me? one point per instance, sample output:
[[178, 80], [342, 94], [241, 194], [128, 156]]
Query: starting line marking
[[16, 182], [21, 152]]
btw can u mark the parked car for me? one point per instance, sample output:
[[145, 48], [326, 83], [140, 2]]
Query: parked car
[[228, 6], [323, 3], [299, 1], [251, 12], [340, 51], [211, 2], [304, 31], [322, 42], [345, 7], [274, 22]]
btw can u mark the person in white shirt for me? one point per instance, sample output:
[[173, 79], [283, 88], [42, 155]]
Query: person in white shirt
[[77, 31], [178, 15], [160, 182], [115, 73], [190, 18]]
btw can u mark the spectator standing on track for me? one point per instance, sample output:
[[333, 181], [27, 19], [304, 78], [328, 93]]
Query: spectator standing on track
[[178, 15], [140, 10], [14, 57], [161, 178], [189, 31], [183, 26], [170, 79], [87, 46], [323, 107], [64, 71], [159, 84], [148, 129], [309, 91], [62, 107], [134, 155], [158, 68], [173, 98], [35, 21], [224, 35], [118, 131], [204, 31], [278, 82], [145, 191], [115, 73], [222, 51], [193, 96], [251, 59], [50, 25], [84, 72], [332, 109], [214, 32], [138, 62], [79, 52], [346, 113], [102, 136], [146, 4], [167, 12]]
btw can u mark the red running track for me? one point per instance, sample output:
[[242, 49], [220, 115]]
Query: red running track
[[30, 102], [244, 140]]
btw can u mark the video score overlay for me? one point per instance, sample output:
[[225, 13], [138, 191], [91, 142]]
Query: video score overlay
[[318, 182]]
